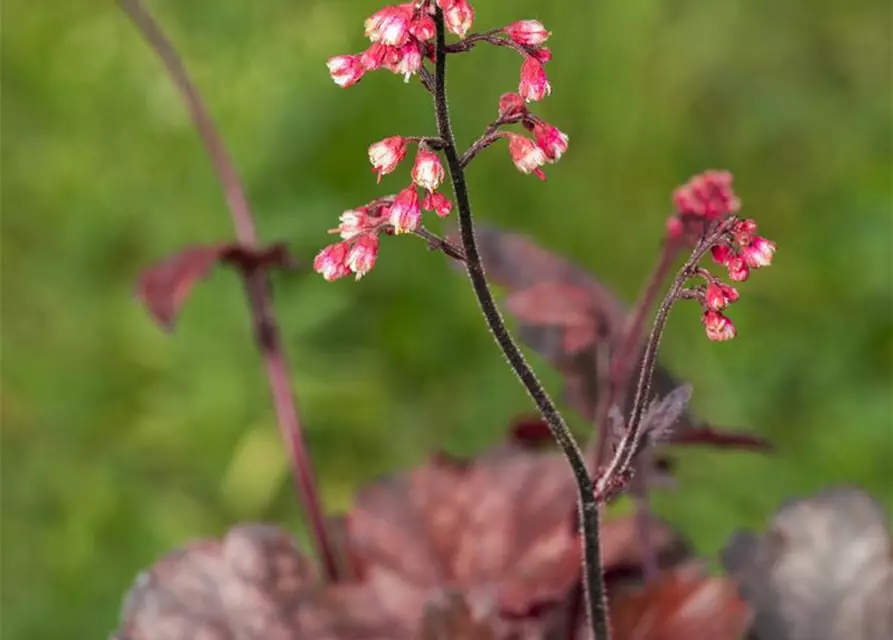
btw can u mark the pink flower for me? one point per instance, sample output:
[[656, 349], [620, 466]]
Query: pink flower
[[718, 327], [422, 28], [758, 253], [674, 228], [457, 15], [353, 223], [721, 254], [708, 195], [534, 82], [386, 154], [511, 104], [379, 55], [362, 255], [331, 262], [744, 231], [408, 60], [738, 271], [438, 203], [427, 172], [543, 54], [390, 25], [551, 140], [526, 155], [719, 296], [346, 70], [405, 215], [528, 33]]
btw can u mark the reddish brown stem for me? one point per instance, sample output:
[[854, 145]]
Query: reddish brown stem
[[614, 386], [266, 329]]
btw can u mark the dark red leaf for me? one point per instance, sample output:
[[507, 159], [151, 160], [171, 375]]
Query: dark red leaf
[[719, 438], [682, 604], [823, 569], [165, 286]]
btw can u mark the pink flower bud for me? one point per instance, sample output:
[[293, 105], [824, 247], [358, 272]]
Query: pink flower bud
[[718, 327], [721, 254], [534, 82], [458, 16], [427, 172], [408, 60], [758, 253], [346, 70], [390, 25], [551, 140], [738, 270], [405, 215], [423, 28], [528, 33], [543, 54], [438, 203], [526, 155], [719, 296], [379, 55], [353, 223], [386, 154], [511, 104], [707, 195], [331, 262], [362, 255], [674, 228]]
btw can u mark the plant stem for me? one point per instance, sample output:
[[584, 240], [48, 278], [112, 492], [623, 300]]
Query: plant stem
[[589, 509], [615, 385], [266, 329]]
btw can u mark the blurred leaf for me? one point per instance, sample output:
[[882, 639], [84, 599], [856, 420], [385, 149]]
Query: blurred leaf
[[165, 286], [823, 570]]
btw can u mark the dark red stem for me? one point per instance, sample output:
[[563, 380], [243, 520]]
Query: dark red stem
[[266, 329]]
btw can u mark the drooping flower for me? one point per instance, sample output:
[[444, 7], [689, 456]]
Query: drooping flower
[[758, 253], [405, 215], [528, 33], [346, 70], [708, 195], [438, 203], [331, 262], [526, 155], [423, 28], [362, 255], [386, 154], [390, 25], [534, 84], [427, 172], [352, 223], [551, 140], [458, 16], [407, 61], [718, 296], [511, 104], [718, 327], [737, 268]]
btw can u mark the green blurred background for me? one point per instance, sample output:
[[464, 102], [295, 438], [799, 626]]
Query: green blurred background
[[120, 442]]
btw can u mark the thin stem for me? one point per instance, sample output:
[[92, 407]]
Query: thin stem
[[266, 329], [615, 385], [630, 444], [489, 136], [435, 242], [588, 506]]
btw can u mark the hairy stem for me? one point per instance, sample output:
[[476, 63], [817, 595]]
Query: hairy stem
[[266, 329], [589, 514], [615, 384]]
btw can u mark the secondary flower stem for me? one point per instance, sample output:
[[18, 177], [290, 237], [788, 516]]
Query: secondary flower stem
[[589, 515], [266, 329]]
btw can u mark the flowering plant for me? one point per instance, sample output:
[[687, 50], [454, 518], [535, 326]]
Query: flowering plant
[[411, 40]]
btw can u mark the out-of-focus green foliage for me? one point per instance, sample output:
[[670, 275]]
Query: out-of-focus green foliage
[[120, 442]]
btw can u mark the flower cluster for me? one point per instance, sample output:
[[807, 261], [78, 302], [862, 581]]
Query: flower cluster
[[707, 205], [402, 38]]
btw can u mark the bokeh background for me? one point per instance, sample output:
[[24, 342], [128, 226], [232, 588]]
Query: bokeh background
[[120, 442]]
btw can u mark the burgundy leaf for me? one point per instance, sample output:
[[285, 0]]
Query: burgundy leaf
[[823, 570], [165, 286], [719, 438], [682, 604]]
